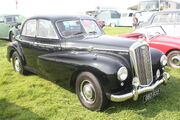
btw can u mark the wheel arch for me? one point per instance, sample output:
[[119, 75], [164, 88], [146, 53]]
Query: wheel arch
[[92, 70], [171, 51], [14, 47]]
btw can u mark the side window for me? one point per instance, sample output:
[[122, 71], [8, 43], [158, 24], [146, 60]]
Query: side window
[[124, 15], [29, 28], [46, 30], [130, 14]]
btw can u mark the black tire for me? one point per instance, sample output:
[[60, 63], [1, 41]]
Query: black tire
[[174, 59], [98, 100], [18, 68]]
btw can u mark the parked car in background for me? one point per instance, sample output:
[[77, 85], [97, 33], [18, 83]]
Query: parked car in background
[[75, 51], [157, 38], [9, 26], [169, 20], [126, 18], [111, 17]]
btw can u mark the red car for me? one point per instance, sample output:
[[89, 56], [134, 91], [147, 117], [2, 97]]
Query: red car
[[156, 38]]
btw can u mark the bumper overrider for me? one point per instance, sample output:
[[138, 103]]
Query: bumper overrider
[[137, 89]]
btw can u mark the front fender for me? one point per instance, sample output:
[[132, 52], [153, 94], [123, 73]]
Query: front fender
[[105, 63], [156, 56], [66, 64]]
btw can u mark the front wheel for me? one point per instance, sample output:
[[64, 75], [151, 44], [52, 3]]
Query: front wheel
[[17, 63], [90, 92], [174, 59]]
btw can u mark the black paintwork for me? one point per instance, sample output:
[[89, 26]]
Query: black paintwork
[[64, 61]]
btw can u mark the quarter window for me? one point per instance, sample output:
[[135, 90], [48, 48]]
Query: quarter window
[[29, 28], [46, 30]]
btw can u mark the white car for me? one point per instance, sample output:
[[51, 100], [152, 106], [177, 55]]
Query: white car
[[168, 20]]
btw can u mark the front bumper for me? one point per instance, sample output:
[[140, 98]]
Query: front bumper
[[137, 90]]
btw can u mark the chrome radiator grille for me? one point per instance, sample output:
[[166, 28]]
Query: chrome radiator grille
[[141, 60]]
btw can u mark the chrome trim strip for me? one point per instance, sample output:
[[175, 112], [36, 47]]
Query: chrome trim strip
[[139, 90], [25, 41], [87, 48], [40, 44]]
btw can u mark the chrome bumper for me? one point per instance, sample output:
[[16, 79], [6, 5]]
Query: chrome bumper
[[137, 90]]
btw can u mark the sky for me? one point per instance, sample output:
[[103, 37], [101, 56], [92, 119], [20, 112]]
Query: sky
[[33, 7]]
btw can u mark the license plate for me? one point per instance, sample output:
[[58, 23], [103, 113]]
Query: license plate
[[151, 95]]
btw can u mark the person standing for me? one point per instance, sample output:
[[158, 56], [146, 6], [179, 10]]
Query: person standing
[[135, 21]]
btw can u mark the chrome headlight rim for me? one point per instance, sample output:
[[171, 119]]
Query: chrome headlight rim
[[163, 60], [122, 73]]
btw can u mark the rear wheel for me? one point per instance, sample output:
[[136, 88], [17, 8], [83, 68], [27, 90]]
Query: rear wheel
[[174, 59], [17, 63], [90, 92]]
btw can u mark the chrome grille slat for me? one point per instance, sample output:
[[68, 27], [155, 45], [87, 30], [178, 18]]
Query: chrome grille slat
[[141, 60], [141, 68]]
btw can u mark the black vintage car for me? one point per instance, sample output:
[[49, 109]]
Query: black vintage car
[[74, 50]]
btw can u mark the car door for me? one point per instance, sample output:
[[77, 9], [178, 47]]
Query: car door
[[48, 43], [4, 28], [27, 42]]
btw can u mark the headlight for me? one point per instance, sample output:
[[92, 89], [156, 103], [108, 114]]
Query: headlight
[[163, 60], [122, 73], [158, 73]]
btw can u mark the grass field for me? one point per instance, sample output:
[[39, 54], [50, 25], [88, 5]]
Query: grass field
[[34, 98]]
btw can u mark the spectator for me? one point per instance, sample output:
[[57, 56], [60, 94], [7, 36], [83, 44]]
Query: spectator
[[135, 21]]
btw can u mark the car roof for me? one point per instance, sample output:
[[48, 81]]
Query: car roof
[[61, 17], [9, 15], [168, 11]]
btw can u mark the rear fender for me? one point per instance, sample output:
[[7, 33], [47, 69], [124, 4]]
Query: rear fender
[[14, 46]]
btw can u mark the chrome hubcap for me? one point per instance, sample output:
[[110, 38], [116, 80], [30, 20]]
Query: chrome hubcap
[[17, 64], [175, 61], [87, 91]]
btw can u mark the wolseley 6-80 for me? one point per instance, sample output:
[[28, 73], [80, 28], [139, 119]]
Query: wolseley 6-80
[[100, 68]]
